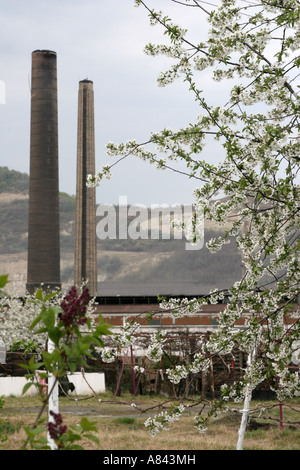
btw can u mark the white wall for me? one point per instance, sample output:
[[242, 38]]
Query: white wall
[[96, 381], [14, 385]]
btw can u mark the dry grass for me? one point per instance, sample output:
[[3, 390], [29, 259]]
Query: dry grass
[[120, 433]]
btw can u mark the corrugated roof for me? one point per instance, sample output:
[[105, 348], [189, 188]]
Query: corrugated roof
[[148, 289]]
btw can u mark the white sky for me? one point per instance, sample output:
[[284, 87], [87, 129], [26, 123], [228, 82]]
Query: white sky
[[102, 40]]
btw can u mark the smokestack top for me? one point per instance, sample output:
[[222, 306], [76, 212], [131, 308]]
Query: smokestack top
[[85, 81], [44, 52]]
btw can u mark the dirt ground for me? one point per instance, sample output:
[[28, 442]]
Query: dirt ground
[[121, 424]]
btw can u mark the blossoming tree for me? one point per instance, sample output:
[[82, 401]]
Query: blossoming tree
[[253, 45]]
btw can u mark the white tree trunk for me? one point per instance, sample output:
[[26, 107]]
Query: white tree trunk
[[244, 421], [246, 409], [53, 404]]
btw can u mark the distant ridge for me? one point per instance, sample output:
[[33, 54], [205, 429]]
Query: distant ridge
[[12, 181], [123, 265]]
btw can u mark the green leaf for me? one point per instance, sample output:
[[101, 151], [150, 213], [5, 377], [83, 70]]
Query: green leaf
[[243, 183], [55, 334], [51, 360], [93, 438], [26, 387], [72, 366], [3, 280], [49, 296], [66, 349], [71, 436], [48, 317], [35, 322], [39, 294], [88, 425], [102, 328]]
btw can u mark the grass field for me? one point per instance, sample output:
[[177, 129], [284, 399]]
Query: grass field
[[121, 426]]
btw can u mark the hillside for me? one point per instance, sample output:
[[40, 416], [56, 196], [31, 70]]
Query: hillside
[[14, 201], [128, 261]]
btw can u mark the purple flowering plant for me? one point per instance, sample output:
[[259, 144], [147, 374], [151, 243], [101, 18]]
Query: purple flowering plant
[[74, 334], [72, 331]]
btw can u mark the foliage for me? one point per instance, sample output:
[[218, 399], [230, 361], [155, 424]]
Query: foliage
[[254, 47], [26, 346], [6, 428], [12, 181], [2, 401], [67, 439], [3, 282], [73, 333], [65, 321]]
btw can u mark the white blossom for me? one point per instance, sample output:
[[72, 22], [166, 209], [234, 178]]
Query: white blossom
[[154, 351], [163, 420], [108, 354]]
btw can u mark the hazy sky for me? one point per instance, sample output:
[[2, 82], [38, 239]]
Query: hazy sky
[[102, 40]]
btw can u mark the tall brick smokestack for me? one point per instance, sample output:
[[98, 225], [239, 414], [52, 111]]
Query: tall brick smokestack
[[43, 220], [85, 262]]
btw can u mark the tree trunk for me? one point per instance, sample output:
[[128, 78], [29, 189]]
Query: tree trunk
[[246, 410], [212, 381], [53, 400], [244, 421], [204, 384]]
